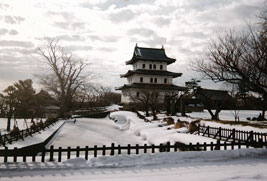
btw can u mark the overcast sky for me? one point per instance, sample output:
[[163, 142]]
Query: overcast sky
[[105, 32]]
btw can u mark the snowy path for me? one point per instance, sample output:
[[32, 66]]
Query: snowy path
[[90, 132], [245, 164]]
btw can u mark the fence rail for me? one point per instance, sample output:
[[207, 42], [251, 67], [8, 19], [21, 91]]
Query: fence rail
[[59, 154], [232, 134], [21, 134]]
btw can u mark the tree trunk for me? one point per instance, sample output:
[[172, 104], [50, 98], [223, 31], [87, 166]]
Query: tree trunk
[[182, 106], [8, 123]]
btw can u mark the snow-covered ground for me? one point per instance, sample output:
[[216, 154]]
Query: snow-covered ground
[[127, 128], [228, 114], [244, 164]]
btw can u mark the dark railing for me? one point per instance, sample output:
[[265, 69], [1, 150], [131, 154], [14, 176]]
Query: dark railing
[[21, 134], [59, 154], [232, 134]]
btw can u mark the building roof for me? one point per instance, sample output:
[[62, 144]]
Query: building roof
[[151, 72], [150, 54], [151, 86], [216, 95]]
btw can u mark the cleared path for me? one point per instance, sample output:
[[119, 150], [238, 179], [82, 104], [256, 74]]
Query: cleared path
[[91, 131]]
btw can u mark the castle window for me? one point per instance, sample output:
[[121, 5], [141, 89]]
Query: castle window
[[161, 67], [155, 80], [165, 81], [144, 66], [151, 80], [150, 66], [154, 66], [141, 79]]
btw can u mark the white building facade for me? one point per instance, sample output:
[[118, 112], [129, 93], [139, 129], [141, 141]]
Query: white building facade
[[149, 74]]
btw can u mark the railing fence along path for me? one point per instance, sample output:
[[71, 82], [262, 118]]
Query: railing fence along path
[[59, 154], [234, 135]]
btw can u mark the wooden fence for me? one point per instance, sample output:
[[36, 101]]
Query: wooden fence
[[21, 134], [59, 154], [232, 134]]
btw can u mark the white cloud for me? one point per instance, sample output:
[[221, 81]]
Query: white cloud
[[105, 31]]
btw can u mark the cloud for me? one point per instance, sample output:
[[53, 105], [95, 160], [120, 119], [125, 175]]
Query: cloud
[[4, 6], [73, 48], [3, 31], [12, 43], [70, 37], [121, 16], [13, 32], [13, 19]]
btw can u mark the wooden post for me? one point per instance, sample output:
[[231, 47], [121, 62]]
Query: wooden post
[[59, 154], [205, 146], [211, 146], [6, 154], [119, 149], [145, 148], [43, 155], [137, 149], [95, 151], [232, 145], [68, 152], [225, 146], [160, 147], [15, 155], [24, 158], [86, 153], [51, 153], [33, 158], [208, 131], [168, 146], [153, 148], [220, 133], [218, 145], [198, 146], [112, 149], [190, 147], [78, 151], [233, 132], [175, 147], [129, 149], [104, 150]]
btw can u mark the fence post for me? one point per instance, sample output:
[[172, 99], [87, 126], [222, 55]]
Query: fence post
[[190, 147], [86, 153], [104, 150], [168, 149], [225, 146], [198, 146], [68, 152], [220, 133], [208, 131], [153, 148], [78, 151], [6, 152], [43, 155], [160, 147], [233, 132], [51, 153], [205, 146], [59, 154], [95, 151], [119, 149], [137, 149], [232, 145], [129, 149], [145, 148], [24, 158], [112, 149], [218, 145], [211, 146], [239, 144], [15, 155]]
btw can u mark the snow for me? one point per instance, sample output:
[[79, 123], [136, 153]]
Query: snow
[[127, 128], [243, 164], [36, 138]]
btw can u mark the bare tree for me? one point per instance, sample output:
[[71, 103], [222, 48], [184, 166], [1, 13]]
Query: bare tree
[[239, 58], [65, 76]]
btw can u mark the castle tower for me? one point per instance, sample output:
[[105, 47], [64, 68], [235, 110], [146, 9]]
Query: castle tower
[[149, 73]]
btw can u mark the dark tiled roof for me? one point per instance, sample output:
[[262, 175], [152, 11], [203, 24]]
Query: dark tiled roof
[[151, 72], [150, 54], [217, 95], [151, 86]]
